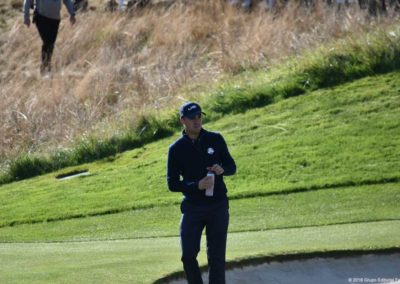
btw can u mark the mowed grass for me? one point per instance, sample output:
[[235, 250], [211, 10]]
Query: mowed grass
[[349, 135], [323, 207], [146, 260]]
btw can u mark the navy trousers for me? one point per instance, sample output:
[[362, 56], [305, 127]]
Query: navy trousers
[[215, 220]]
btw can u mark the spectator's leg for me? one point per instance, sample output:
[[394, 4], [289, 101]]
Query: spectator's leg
[[121, 5], [247, 4], [270, 4], [48, 30], [383, 6], [395, 4], [363, 4], [373, 7], [233, 2]]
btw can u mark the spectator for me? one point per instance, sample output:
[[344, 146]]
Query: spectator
[[246, 4], [46, 16]]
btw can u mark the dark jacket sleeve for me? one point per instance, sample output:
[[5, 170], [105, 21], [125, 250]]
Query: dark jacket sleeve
[[228, 164], [174, 173]]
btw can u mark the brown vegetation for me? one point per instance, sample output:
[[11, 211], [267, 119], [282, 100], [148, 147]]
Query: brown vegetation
[[111, 67]]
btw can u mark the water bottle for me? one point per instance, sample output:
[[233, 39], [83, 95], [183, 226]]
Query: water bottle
[[210, 190]]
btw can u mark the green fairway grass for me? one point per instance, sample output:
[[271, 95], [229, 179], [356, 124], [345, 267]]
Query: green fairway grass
[[328, 206], [146, 260]]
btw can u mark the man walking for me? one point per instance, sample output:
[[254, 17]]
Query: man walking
[[47, 19], [201, 158]]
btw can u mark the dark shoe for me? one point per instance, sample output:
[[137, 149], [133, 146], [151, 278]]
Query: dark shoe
[[45, 69]]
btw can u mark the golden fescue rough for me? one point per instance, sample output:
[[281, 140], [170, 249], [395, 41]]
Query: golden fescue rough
[[110, 67]]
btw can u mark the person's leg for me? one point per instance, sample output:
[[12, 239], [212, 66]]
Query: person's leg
[[270, 4], [247, 4], [216, 230], [48, 30], [192, 225]]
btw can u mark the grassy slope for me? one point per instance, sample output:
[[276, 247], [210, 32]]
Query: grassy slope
[[329, 138]]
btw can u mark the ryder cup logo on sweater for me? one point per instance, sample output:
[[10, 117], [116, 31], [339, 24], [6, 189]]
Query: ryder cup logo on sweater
[[210, 151]]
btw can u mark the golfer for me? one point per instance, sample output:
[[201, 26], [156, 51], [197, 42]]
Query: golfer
[[46, 16], [202, 159]]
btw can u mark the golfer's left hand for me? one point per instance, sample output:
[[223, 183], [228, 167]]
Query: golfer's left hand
[[217, 169]]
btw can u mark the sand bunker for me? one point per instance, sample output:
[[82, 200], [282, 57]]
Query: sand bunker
[[369, 268]]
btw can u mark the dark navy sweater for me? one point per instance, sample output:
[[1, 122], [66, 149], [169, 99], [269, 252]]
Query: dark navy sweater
[[189, 159]]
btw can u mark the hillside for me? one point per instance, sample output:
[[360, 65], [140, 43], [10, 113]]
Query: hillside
[[112, 68]]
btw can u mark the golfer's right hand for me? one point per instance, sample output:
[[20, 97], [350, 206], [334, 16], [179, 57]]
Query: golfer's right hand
[[27, 22], [205, 182]]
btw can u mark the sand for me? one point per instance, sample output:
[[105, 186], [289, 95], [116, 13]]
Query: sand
[[368, 268]]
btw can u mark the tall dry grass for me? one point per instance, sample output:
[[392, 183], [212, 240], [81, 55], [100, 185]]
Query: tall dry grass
[[111, 67]]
